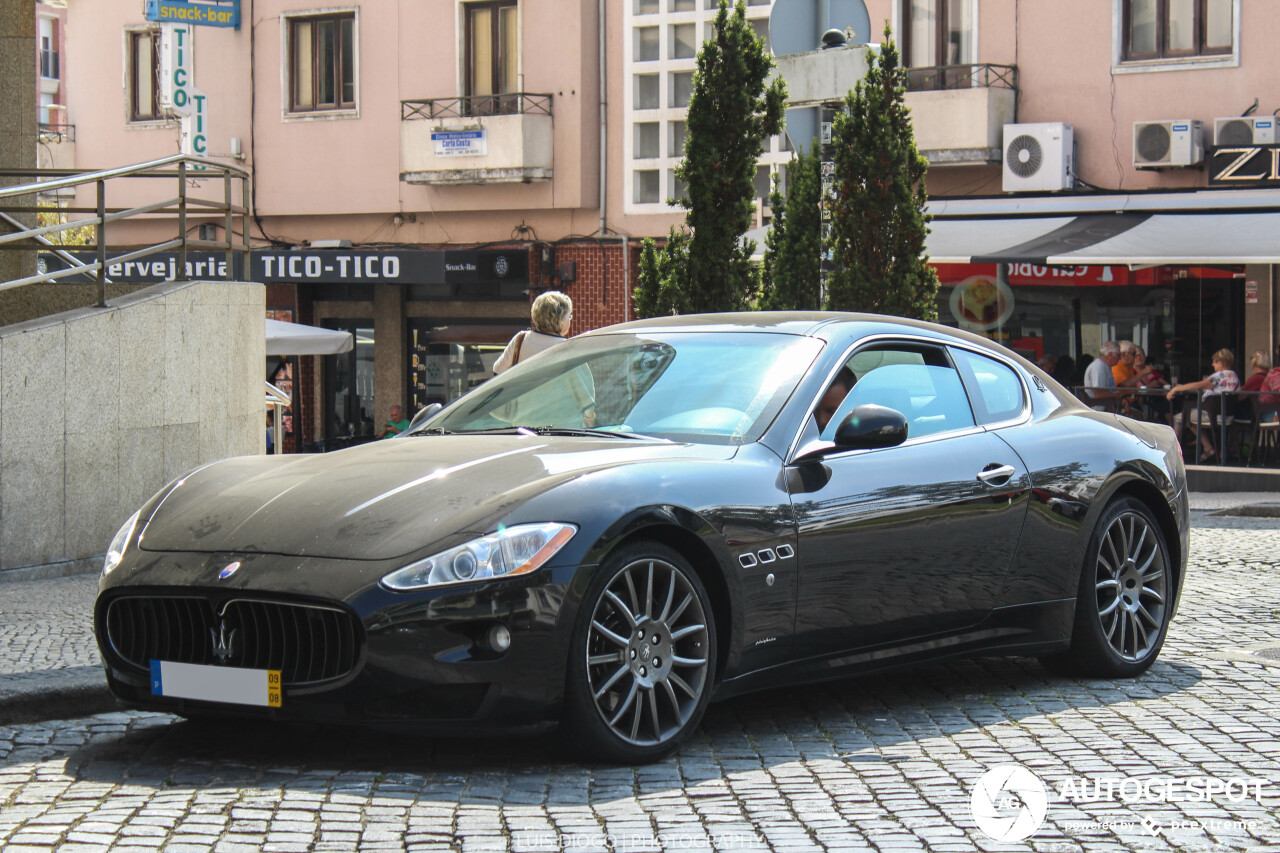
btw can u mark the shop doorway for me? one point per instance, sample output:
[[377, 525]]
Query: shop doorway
[[348, 386]]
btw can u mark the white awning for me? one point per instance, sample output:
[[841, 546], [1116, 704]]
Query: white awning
[[1135, 239], [297, 339], [1205, 228]]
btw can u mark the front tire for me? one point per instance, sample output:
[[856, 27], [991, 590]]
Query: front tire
[[642, 659], [1125, 597]]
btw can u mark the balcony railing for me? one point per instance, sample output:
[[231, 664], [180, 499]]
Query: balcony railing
[[57, 132], [49, 64], [513, 103], [940, 77]]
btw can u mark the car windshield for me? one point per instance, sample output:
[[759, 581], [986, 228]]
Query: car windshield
[[712, 388]]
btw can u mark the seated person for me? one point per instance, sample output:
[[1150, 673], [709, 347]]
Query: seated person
[[833, 397]]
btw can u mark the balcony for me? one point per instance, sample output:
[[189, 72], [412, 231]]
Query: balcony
[[482, 139], [49, 65], [57, 148], [959, 112]]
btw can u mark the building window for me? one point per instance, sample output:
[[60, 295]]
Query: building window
[[938, 32], [493, 58], [646, 141], [1160, 29], [144, 75], [646, 187], [322, 63], [661, 43], [49, 49]]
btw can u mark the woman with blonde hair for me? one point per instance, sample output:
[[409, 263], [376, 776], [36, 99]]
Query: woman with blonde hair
[[1222, 381], [1260, 364], [550, 316]]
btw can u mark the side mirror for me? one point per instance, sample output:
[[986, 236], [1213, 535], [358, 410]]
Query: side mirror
[[868, 427], [425, 413]]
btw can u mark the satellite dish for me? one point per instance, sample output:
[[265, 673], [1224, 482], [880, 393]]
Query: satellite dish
[[797, 26], [802, 127]]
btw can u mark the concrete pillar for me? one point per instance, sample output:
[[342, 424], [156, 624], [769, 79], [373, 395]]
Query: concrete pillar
[[18, 125]]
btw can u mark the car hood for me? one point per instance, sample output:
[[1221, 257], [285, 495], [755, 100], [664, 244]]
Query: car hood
[[385, 499]]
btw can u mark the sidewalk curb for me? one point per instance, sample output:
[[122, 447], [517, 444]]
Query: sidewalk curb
[[54, 694]]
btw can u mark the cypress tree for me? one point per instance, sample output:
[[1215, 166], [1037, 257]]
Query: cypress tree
[[791, 271], [878, 219], [731, 115]]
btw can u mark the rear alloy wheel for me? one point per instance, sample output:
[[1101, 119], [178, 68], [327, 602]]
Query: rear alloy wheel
[[643, 661], [1126, 588]]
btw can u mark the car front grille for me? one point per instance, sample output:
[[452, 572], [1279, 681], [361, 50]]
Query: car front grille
[[307, 643]]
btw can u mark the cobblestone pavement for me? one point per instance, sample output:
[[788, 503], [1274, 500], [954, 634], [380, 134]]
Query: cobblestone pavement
[[885, 763], [47, 624]]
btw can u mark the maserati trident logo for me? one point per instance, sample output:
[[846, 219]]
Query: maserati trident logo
[[228, 570], [223, 642]]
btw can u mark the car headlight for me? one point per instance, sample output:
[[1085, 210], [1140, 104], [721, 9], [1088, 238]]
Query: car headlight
[[511, 551], [115, 552]]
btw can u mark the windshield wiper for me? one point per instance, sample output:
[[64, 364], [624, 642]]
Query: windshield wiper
[[521, 429], [602, 433]]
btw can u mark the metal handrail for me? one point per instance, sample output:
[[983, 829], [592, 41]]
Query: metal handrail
[[177, 166], [476, 106], [973, 75]]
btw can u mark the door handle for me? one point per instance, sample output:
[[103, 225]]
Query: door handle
[[996, 475]]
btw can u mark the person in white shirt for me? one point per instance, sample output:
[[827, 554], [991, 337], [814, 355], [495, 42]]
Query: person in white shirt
[[1098, 376], [551, 315]]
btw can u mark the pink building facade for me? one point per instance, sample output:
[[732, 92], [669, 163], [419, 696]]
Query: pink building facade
[[422, 168]]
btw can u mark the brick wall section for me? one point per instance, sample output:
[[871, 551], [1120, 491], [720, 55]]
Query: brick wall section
[[599, 288]]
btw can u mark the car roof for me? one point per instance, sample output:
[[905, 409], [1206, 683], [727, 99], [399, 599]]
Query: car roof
[[825, 325]]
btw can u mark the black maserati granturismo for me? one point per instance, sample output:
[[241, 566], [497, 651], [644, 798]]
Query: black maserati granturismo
[[651, 516]]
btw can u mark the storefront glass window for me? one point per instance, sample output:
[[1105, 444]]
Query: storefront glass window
[[446, 360], [1178, 315], [348, 379]]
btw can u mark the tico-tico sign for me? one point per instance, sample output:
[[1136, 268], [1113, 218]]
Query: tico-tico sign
[[1253, 166], [214, 14]]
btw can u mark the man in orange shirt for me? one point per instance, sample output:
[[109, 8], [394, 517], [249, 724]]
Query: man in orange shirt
[[1122, 370]]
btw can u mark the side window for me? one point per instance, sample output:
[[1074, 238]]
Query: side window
[[998, 394], [917, 381]]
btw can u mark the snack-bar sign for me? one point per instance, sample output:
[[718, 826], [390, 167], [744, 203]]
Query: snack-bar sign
[[216, 14], [323, 266]]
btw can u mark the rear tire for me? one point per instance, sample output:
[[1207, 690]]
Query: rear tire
[[642, 658], [1124, 601]]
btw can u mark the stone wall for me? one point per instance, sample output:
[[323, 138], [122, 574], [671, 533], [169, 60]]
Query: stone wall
[[18, 119], [101, 407]]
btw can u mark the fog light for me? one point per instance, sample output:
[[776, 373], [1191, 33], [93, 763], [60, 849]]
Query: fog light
[[499, 638]]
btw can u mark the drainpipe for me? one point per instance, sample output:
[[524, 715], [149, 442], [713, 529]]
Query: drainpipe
[[626, 278], [604, 119]]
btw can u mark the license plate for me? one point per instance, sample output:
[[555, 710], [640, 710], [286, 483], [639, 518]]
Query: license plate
[[216, 683]]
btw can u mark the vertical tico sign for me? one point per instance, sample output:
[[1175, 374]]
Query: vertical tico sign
[[178, 91]]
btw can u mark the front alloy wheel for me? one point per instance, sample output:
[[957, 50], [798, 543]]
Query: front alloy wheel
[[647, 654]]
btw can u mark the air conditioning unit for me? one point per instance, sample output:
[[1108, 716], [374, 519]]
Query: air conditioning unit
[[1244, 131], [1037, 157], [1173, 142]]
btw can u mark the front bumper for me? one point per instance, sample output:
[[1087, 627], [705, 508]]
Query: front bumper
[[424, 661]]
